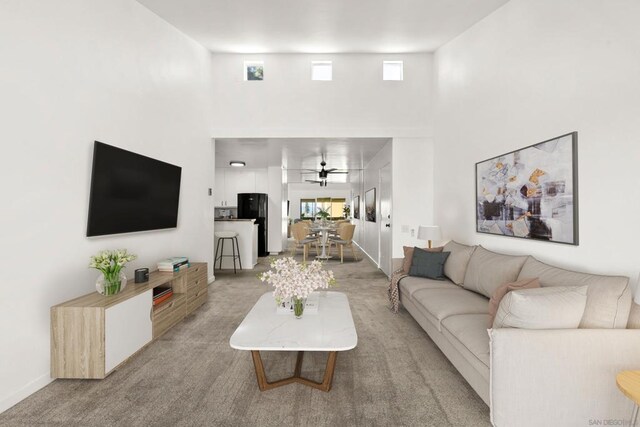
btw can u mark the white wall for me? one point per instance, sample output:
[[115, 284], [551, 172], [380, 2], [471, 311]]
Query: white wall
[[369, 237], [356, 185], [356, 103], [73, 72], [413, 186], [277, 216], [299, 191], [531, 71]]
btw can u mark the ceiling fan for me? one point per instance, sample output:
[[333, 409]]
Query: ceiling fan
[[323, 174]]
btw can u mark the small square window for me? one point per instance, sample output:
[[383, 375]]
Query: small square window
[[392, 70], [321, 70], [253, 70]]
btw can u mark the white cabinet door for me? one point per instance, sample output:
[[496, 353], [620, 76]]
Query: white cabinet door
[[218, 190], [231, 187], [127, 328], [262, 181]]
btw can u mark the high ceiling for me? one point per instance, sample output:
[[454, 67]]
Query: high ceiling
[[322, 26], [298, 154]]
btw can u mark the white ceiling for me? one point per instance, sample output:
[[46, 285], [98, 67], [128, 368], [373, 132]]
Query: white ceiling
[[298, 154], [322, 26]]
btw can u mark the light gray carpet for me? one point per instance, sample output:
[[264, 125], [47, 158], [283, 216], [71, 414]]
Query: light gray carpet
[[395, 376]]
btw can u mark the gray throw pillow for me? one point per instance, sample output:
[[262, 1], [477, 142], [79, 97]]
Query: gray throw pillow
[[428, 264]]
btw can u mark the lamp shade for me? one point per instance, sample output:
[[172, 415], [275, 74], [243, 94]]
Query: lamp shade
[[636, 292], [429, 232]]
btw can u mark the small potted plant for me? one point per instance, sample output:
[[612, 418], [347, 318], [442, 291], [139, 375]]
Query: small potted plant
[[294, 281], [323, 214], [346, 211], [110, 263]]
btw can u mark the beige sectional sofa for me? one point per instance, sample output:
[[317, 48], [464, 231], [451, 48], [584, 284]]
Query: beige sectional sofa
[[529, 377]]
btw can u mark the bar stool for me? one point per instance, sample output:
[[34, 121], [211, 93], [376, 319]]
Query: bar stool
[[222, 236]]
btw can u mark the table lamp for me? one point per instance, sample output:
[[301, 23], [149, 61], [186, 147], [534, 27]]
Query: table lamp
[[636, 292], [429, 233]]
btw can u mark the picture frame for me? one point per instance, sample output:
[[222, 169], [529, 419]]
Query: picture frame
[[356, 207], [370, 213], [531, 193]]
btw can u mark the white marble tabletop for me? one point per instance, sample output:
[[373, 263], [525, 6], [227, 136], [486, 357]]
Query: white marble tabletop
[[331, 329]]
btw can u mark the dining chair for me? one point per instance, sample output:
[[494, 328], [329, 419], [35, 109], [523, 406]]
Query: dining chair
[[338, 224], [302, 240], [344, 239]]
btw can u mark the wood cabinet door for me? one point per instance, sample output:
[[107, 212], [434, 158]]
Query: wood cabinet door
[[127, 328]]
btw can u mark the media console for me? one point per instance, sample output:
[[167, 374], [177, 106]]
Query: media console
[[94, 334]]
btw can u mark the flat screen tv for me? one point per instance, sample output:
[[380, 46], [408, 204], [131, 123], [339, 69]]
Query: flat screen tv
[[131, 192]]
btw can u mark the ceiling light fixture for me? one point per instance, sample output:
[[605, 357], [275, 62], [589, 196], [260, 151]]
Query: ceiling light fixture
[[237, 164]]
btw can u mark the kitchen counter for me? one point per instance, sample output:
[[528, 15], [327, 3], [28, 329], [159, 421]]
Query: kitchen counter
[[247, 231]]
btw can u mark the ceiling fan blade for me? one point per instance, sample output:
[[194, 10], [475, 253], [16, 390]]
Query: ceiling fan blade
[[338, 172], [331, 170], [311, 170]]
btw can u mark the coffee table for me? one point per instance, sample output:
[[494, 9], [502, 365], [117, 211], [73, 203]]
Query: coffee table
[[331, 329]]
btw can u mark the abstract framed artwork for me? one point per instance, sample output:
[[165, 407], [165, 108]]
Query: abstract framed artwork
[[531, 193], [370, 205], [356, 207]]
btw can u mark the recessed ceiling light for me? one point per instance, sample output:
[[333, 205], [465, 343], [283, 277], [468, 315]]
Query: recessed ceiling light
[[237, 163]]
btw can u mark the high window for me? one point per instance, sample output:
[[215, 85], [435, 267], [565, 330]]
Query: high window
[[309, 208], [392, 70], [322, 70], [253, 70]]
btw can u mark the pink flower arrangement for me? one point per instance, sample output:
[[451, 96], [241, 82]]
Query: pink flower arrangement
[[294, 280]]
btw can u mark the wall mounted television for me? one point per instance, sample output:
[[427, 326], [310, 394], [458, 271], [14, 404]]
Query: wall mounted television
[[131, 192]]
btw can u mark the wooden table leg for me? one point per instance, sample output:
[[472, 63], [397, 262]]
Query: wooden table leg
[[260, 375], [298, 370], [325, 385], [327, 380], [328, 372]]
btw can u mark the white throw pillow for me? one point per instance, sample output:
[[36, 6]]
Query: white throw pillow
[[556, 307]]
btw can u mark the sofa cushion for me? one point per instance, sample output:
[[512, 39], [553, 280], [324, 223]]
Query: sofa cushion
[[556, 307], [408, 256], [468, 333], [442, 303], [502, 290], [456, 264], [608, 297], [428, 264], [488, 270], [409, 285]]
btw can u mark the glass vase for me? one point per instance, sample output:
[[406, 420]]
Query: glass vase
[[298, 306], [111, 284]]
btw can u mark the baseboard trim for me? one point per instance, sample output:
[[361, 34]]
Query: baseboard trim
[[25, 392], [368, 256], [211, 279]]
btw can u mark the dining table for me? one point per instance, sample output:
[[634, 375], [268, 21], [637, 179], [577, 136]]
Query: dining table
[[323, 229]]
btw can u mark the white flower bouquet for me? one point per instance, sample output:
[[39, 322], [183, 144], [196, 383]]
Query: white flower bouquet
[[295, 281], [110, 263]]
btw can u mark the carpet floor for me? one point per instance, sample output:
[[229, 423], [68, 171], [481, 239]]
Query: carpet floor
[[396, 376]]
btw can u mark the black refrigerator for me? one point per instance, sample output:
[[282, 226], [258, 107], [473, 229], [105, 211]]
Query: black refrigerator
[[255, 206]]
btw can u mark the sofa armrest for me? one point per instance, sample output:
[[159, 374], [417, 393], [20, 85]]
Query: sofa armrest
[[560, 377]]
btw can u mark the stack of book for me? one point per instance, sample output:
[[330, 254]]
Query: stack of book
[[174, 264], [161, 294]]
